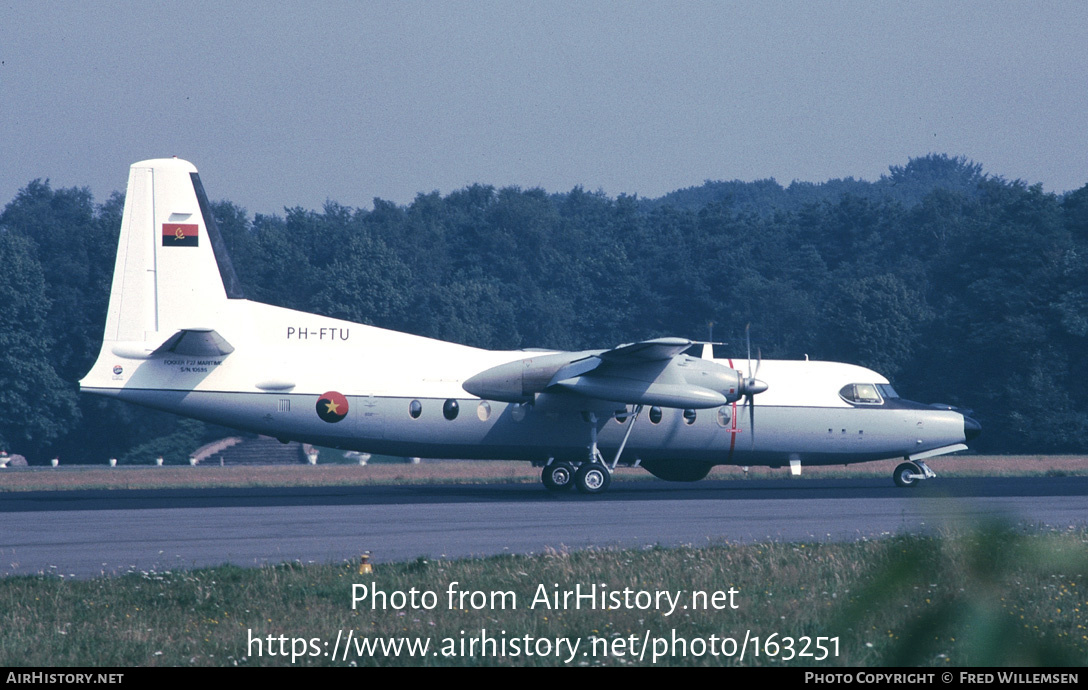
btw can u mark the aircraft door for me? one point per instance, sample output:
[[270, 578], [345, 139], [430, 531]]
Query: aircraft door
[[370, 422]]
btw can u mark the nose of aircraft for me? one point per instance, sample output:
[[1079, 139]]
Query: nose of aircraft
[[971, 428]]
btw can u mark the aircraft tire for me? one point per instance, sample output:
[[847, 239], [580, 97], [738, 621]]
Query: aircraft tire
[[903, 474], [558, 476], [592, 478]]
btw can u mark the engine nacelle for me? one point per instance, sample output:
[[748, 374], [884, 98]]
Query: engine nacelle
[[679, 381], [518, 381]]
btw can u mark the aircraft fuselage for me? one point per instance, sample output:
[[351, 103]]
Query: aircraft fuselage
[[180, 337]]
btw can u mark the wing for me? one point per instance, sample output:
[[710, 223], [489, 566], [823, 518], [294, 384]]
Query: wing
[[659, 349], [650, 372]]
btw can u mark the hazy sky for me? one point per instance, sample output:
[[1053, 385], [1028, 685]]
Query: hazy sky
[[290, 103]]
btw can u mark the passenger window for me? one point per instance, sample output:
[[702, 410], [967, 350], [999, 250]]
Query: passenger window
[[725, 416], [450, 409]]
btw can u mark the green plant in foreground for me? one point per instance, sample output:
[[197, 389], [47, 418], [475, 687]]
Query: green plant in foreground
[[998, 596]]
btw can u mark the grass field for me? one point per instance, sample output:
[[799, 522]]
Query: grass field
[[993, 596], [473, 472]]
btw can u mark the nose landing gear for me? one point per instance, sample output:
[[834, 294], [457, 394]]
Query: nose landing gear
[[911, 472]]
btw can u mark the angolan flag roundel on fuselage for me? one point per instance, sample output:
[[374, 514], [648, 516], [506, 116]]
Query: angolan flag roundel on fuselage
[[332, 407]]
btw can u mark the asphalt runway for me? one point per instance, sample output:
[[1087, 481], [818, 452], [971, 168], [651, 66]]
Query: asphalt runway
[[88, 533]]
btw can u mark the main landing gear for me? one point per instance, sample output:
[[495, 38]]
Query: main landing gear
[[594, 475], [911, 472], [558, 476], [589, 477], [593, 478]]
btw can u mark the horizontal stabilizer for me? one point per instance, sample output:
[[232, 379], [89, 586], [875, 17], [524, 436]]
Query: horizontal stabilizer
[[196, 342]]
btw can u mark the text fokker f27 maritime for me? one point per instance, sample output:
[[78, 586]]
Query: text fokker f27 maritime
[[180, 337]]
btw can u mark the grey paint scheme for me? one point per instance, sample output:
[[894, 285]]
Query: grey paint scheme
[[651, 372], [555, 427]]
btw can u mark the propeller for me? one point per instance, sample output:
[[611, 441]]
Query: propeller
[[751, 386]]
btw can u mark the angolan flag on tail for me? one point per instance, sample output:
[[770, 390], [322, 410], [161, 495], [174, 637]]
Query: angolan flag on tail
[[180, 235], [158, 290]]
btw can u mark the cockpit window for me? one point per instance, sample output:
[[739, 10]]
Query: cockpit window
[[861, 394], [886, 390]]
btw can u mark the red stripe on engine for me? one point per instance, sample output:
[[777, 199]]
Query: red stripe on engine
[[733, 422]]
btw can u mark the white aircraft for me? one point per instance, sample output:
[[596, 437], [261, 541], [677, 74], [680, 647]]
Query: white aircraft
[[180, 337]]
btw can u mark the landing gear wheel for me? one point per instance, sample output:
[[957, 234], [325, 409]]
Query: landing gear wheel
[[907, 474], [592, 478], [558, 476]]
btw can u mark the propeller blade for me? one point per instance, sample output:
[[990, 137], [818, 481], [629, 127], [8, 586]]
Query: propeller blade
[[748, 340], [751, 385], [752, 422]]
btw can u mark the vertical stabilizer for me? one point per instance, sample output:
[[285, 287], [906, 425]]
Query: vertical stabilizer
[[166, 277]]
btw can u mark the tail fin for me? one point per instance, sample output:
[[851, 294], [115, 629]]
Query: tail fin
[[172, 271]]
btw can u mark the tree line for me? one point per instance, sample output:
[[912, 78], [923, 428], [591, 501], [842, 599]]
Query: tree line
[[961, 287]]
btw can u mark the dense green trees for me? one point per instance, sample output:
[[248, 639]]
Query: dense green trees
[[965, 289], [36, 406]]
